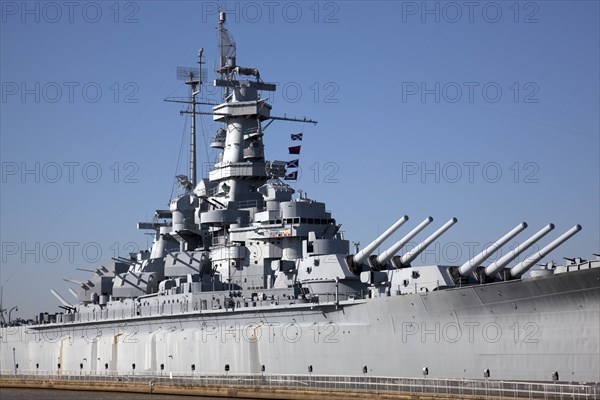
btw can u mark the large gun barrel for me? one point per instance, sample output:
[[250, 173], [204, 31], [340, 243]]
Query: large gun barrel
[[498, 265], [362, 255], [524, 266], [355, 261], [476, 261], [61, 299], [407, 258], [386, 256]]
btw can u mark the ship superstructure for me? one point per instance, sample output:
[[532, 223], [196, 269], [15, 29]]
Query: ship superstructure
[[245, 275]]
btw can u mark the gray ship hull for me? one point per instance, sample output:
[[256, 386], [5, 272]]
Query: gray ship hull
[[518, 330]]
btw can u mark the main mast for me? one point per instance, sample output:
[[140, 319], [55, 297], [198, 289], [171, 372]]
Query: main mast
[[195, 84]]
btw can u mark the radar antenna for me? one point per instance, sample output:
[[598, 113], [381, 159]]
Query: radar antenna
[[194, 78], [226, 47]]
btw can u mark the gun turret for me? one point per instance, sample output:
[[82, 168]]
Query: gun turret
[[378, 262], [473, 263], [354, 262], [498, 265], [524, 266], [407, 258]]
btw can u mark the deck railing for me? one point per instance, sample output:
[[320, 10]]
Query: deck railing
[[370, 384]]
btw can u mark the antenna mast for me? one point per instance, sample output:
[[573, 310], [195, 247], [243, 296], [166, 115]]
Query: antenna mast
[[192, 77], [195, 85], [227, 50]]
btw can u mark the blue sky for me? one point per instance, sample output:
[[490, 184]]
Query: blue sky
[[488, 114]]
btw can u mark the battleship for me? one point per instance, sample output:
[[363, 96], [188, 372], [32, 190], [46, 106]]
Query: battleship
[[246, 275]]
